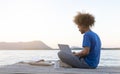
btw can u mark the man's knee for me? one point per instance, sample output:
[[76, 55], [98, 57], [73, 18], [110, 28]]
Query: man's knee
[[61, 54]]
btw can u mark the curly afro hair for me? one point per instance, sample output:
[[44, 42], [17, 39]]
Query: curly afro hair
[[84, 19]]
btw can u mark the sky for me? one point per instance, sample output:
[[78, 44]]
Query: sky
[[51, 21]]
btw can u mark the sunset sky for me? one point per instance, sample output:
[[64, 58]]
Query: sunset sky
[[51, 21]]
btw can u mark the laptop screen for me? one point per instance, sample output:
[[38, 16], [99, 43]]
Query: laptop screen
[[65, 48]]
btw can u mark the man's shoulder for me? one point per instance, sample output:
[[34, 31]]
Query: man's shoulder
[[89, 33]]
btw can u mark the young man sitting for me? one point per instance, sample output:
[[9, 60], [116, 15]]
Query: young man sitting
[[90, 55]]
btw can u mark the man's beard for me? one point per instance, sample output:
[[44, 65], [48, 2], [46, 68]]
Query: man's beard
[[82, 32]]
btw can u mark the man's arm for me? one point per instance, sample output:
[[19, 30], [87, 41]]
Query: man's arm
[[84, 52]]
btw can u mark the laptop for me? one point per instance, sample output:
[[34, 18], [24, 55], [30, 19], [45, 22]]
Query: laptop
[[65, 48]]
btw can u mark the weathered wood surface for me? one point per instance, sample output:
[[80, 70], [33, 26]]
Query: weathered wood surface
[[30, 69]]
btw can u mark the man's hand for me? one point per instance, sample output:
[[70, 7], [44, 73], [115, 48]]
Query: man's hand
[[74, 52], [77, 53]]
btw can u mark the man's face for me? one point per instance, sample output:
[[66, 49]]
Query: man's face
[[81, 29]]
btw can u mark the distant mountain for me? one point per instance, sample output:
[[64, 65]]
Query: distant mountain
[[110, 48], [33, 45], [79, 48]]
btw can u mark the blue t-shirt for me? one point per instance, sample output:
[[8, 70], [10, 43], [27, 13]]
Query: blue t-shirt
[[92, 41]]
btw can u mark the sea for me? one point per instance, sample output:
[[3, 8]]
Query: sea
[[8, 57]]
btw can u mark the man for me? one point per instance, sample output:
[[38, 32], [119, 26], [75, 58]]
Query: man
[[90, 55]]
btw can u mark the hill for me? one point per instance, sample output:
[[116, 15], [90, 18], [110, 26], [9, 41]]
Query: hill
[[33, 45]]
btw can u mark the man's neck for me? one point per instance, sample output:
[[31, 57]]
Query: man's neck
[[88, 29]]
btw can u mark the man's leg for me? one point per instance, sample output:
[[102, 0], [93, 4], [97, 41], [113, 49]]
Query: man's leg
[[72, 60]]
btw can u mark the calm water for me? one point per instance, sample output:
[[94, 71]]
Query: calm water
[[108, 57]]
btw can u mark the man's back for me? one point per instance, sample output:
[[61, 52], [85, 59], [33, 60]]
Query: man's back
[[92, 41]]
